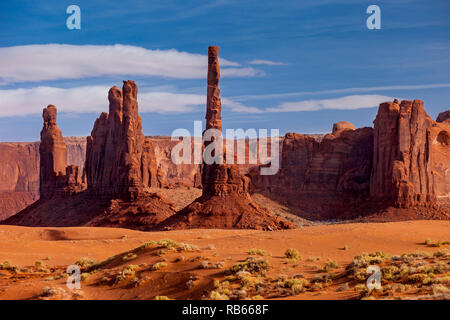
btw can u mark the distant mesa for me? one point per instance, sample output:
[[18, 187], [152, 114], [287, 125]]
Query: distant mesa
[[342, 126], [443, 116]]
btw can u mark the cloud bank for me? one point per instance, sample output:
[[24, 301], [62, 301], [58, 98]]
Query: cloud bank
[[267, 62], [32, 63], [345, 90], [342, 103], [93, 99]]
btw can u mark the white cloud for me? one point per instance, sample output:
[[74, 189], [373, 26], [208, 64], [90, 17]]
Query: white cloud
[[342, 103], [268, 62], [32, 63], [21, 102], [345, 90]]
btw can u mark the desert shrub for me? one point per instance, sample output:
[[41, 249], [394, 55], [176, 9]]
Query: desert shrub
[[259, 252], [252, 265], [330, 265], [158, 266], [187, 247], [388, 272], [346, 247], [292, 253], [38, 264], [146, 245], [161, 252], [85, 263], [441, 253], [326, 278], [440, 289], [215, 295], [209, 265], [441, 280], [6, 265], [168, 243], [311, 259], [436, 245], [84, 276], [247, 281], [127, 272], [360, 287], [296, 285], [129, 256], [417, 277]]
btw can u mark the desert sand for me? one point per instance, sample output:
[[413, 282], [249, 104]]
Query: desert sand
[[188, 277]]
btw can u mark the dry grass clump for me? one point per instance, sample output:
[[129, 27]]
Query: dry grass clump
[[329, 265], [158, 266], [222, 291], [296, 285], [167, 245], [252, 265], [415, 273], [84, 263], [209, 265], [126, 273], [437, 244], [129, 256], [292, 254], [6, 265], [259, 252]]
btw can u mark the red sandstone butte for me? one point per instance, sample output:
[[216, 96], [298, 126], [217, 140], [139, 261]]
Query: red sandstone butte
[[115, 194], [321, 179], [225, 201], [440, 149], [402, 160], [444, 117]]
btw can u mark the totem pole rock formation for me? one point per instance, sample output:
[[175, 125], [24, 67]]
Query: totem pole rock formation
[[115, 148], [225, 201], [402, 160], [53, 154], [56, 178]]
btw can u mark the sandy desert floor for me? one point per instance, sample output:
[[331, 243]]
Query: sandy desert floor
[[220, 264]]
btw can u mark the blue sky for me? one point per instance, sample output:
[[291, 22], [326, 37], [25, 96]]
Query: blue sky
[[294, 65]]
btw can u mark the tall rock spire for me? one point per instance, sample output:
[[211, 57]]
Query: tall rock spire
[[53, 154], [225, 202], [213, 102], [115, 148]]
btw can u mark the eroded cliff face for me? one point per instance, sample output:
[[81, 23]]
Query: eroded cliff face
[[402, 171], [19, 176], [321, 179], [115, 148], [440, 149], [402, 163]]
